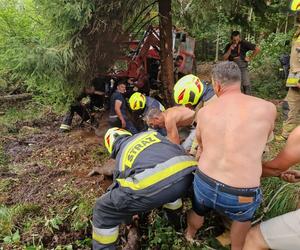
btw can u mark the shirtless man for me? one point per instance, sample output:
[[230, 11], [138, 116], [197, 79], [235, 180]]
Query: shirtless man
[[229, 168], [171, 119], [282, 232]]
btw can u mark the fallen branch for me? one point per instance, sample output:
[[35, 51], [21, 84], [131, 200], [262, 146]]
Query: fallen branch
[[19, 97]]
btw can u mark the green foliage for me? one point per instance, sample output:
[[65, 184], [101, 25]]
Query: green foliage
[[11, 217], [14, 238], [27, 112], [279, 197], [162, 234], [56, 47], [6, 184], [80, 219], [264, 69], [3, 158], [53, 223]]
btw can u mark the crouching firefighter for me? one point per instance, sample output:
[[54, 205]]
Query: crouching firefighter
[[150, 172], [85, 104]]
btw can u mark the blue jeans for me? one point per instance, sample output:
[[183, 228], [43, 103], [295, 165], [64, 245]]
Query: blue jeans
[[239, 204]]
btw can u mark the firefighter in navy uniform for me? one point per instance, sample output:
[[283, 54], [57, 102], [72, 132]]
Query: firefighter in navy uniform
[[150, 172], [86, 103], [140, 105]]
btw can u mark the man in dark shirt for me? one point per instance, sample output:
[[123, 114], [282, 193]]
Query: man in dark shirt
[[237, 51], [117, 115], [88, 101]]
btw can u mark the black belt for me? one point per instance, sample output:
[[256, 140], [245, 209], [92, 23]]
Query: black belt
[[248, 192]]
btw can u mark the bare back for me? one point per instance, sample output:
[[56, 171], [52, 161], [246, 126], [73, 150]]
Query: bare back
[[176, 117], [233, 132], [180, 115]]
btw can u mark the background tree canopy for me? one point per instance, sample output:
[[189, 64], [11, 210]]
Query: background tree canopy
[[55, 47]]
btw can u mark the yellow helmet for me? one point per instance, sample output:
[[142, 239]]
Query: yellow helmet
[[188, 90], [111, 135], [137, 101], [295, 5]]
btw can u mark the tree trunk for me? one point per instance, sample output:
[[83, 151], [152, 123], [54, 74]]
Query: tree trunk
[[249, 21], [166, 55], [218, 36], [286, 23]]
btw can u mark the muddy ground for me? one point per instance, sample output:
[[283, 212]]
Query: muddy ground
[[48, 191], [49, 170], [47, 194]]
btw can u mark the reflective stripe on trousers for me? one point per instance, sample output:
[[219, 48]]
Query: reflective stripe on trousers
[[174, 205], [65, 127], [160, 172], [106, 236]]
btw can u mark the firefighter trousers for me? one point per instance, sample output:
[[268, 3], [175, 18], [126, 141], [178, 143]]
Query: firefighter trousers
[[293, 120], [118, 206], [80, 110]]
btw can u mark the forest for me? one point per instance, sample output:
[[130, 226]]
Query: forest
[[51, 50]]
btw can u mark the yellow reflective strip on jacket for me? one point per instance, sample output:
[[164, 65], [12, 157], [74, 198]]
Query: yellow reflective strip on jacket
[[156, 177], [173, 205], [106, 239], [292, 81], [295, 5], [136, 147]]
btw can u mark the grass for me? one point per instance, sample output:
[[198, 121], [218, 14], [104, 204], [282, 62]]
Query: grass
[[5, 184], [12, 218], [26, 112]]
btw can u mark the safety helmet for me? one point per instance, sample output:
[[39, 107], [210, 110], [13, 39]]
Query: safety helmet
[[137, 101], [188, 90], [111, 136]]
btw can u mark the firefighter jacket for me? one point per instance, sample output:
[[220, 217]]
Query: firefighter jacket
[[295, 55], [148, 162]]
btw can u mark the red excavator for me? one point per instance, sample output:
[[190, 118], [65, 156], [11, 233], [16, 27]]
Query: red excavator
[[140, 65]]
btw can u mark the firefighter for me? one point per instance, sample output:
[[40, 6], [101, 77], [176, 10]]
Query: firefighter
[[293, 95], [86, 103], [141, 104], [150, 172], [195, 94]]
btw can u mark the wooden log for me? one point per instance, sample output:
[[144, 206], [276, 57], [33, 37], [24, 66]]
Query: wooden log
[[19, 97]]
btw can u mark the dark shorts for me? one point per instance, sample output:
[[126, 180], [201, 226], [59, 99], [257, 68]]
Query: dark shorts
[[239, 204]]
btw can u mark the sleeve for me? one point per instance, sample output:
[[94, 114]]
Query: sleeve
[[248, 46]]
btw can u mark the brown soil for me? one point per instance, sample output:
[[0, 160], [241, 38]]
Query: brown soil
[[44, 163]]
